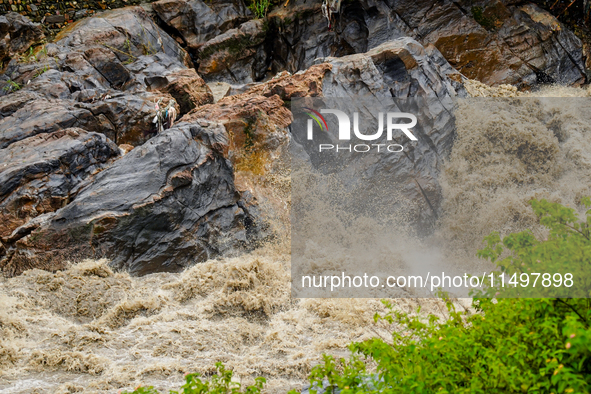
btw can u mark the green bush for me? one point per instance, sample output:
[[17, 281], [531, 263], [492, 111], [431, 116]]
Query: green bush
[[565, 253], [220, 383], [260, 7], [513, 345]]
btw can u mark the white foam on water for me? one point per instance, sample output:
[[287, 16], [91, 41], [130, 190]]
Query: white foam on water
[[89, 329]]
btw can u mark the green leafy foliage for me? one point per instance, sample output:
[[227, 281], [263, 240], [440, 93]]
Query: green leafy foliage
[[259, 7], [11, 86], [220, 383], [510, 345], [565, 253]]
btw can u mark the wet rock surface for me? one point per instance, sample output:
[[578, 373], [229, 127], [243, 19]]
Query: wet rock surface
[[160, 202], [40, 174], [17, 34], [162, 207], [495, 42], [64, 112], [197, 21]]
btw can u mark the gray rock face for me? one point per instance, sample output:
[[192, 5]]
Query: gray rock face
[[128, 33], [97, 73], [99, 53], [198, 21], [70, 193], [236, 56], [40, 174], [44, 116], [11, 103], [124, 118], [300, 34], [399, 69], [165, 205], [494, 42], [22, 33]]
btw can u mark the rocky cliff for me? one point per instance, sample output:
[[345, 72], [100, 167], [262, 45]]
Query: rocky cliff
[[85, 173]]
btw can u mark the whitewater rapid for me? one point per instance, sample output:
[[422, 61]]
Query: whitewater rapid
[[89, 329]]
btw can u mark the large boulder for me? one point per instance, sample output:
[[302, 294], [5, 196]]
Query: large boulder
[[17, 34], [106, 73], [128, 33], [12, 103], [40, 174], [400, 69], [236, 56], [496, 42], [162, 207], [258, 120], [198, 21]]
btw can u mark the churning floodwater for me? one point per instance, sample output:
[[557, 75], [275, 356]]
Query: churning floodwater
[[89, 329]]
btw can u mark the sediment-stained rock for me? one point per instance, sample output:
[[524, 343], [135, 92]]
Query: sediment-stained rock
[[254, 122], [162, 207], [497, 44], [128, 33]]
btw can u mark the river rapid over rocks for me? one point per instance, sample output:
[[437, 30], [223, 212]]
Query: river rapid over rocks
[[130, 256]]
